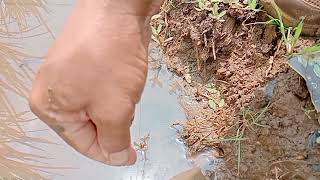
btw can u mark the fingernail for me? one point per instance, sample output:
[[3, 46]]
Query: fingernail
[[119, 158]]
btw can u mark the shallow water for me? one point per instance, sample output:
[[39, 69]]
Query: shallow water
[[155, 114]]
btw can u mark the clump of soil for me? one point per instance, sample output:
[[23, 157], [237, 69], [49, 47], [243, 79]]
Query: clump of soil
[[266, 102]]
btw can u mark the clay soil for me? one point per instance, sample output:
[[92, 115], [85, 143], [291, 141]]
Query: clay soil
[[263, 128]]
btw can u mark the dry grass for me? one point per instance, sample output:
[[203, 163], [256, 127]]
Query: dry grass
[[15, 16], [13, 163]]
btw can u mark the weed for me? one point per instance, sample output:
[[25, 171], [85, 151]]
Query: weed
[[203, 5], [253, 5], [251, 120], [240, 134], [212, 6], [310, 50], [290, 35], [239, 137], [156, 30], [216, 13], [159, 23]]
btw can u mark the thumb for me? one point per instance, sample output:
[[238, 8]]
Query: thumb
[[113, 119]]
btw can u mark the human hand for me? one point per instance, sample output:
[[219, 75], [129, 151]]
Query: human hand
[[94, 75]]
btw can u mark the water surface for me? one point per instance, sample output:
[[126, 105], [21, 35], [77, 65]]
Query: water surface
[[155, 114]]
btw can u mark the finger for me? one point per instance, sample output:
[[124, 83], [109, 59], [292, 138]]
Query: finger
[[79, 132], [74, 127], [113, 130]]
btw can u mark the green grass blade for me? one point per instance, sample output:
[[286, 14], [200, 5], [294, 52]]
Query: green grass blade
[[312, 49], [298, 31]]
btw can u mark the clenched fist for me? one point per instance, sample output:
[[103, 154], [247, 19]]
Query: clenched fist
[[94, 75]]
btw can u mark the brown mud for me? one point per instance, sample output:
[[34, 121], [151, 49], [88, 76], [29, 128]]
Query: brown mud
[[266, 117]]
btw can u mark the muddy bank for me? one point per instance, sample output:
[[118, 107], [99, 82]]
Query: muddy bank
[[243, 98], [280, 147]]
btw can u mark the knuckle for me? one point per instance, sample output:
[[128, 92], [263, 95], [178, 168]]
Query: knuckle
[[34, 103]]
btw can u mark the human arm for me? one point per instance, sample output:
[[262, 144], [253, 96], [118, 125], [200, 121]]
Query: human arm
[[94, 75]]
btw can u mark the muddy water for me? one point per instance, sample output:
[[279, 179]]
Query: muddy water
[[158, 109]]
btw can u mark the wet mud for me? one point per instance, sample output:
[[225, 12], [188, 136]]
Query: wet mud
[[263, 126]]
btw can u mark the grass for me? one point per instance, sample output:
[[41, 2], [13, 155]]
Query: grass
[[250, 120], [252, 4], [290, 35], [159, 23], [253, 118], [212, 6], [310, 50], [157, 28], [15, 16], [15, 19], [15, 164]]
